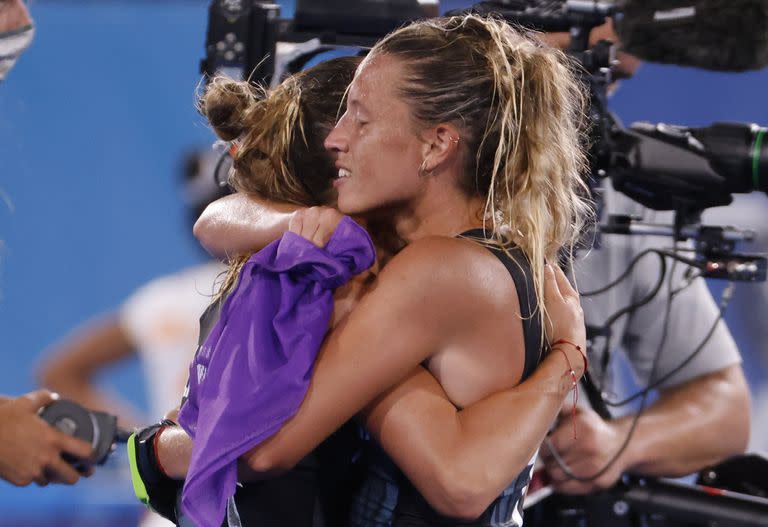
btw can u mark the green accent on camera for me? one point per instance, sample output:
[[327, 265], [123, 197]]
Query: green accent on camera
[[756, 159]]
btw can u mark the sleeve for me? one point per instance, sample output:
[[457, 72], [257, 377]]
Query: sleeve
[[134, 314], [692, 314]]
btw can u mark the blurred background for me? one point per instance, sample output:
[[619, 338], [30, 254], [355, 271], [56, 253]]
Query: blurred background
[[95, 123]]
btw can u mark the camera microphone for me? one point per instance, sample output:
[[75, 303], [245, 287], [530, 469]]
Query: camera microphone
[[710, 34]]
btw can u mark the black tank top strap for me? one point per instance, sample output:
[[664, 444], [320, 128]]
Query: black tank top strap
[[519, 268]]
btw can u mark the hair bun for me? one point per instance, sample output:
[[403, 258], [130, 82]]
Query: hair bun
[[226, 103]]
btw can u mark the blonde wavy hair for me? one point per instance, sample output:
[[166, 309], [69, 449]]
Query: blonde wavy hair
[[520, 109], [278, 136]]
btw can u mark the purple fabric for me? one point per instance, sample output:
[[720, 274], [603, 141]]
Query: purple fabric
[[253, 371]]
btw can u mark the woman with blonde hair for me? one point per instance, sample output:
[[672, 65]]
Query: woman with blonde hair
[[464, 136]]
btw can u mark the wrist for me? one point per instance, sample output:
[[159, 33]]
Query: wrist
[[574, 353], [556, 369], [631, 456]]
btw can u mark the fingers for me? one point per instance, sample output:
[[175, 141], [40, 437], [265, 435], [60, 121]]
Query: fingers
[[563, 285], [297, 222], [36, 400], [74, 447], [551, 287], [41, 480], [59, 471], [316, 224]]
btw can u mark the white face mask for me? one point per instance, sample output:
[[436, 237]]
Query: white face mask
[[12, 44]]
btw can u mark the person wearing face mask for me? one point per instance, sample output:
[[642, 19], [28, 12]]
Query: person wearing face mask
[[16, 33], [30, 449]]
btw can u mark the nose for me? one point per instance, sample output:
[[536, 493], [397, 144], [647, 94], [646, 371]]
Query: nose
[[336, 141]]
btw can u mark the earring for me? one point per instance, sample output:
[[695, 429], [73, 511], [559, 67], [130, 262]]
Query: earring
[[423, 172], [455, 140]]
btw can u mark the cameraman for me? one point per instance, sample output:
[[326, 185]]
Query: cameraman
[[701, 414], [31, 449]]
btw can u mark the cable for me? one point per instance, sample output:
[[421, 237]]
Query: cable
[[636, 418], [643, 394], [621, 277], [606, 328], [724, 301]]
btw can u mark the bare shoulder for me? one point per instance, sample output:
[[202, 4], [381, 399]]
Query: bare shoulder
[[451, 270]]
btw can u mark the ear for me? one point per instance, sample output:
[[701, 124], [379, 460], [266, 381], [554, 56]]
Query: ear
[[441, 145]]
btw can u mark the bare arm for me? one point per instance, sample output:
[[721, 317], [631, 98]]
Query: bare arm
[[71, 370], [391, 331], [399, 317], [461, 460], [690, 426], [242, 223], [492, 451], [388, 334]]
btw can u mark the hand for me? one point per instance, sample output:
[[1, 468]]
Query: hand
[[316, 224], [565, 318], [597, 442], [31, 449]]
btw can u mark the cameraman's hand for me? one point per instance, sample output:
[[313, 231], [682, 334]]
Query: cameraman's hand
[[31, 449], [597, 442], [316, 224]]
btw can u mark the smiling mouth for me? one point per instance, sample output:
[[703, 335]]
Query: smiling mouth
[[343, 173]]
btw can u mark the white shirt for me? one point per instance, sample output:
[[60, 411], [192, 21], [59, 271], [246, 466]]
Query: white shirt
[[162, 319]]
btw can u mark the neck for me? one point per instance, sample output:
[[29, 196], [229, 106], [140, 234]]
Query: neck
[[441, 211]]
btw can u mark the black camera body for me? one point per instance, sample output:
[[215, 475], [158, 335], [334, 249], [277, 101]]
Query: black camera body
[[241, 39], [99, 429]]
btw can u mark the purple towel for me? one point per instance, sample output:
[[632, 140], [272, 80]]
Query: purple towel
[[253, 371]]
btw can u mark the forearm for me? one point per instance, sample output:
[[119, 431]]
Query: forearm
[[241, 223], [77, 360], [691, 426], [174, 451], [460, 461]]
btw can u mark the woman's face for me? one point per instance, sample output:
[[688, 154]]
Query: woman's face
[[375, 144]]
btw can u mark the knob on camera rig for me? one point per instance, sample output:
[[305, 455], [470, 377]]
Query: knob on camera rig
[[99, 429]]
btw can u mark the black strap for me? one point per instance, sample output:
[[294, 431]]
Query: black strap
[[518, 266]]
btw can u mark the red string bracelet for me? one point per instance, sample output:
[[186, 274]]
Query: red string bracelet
[[578, 348], [575, 387]]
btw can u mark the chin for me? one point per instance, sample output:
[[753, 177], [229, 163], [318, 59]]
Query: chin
[[348, 205]]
